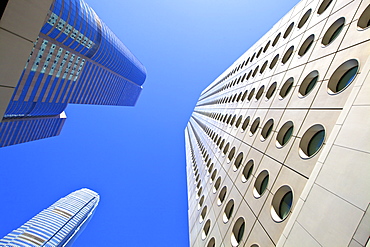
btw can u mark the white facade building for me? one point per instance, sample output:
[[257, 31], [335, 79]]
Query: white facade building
[[278, 150]]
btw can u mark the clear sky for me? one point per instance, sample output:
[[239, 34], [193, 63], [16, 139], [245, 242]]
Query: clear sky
[[134, 157]]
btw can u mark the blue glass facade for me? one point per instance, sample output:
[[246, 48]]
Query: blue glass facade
[[76, 59], [59, 224]]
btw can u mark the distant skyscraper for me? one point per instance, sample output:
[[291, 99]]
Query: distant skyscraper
[[278, 147], [58, 225], [73, 57]]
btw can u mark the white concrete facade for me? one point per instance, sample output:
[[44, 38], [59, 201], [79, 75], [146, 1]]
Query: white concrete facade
[[277, 146]]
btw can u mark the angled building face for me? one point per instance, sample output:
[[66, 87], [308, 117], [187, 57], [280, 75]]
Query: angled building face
[[59, 224], [277, 146], [63, 53]]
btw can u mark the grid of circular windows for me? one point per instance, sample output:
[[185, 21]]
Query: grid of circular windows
[[247, 171], [238, 161], [228, 212], [312, 140], [343, 76], [260, 185], [281, 203], [222, 196], [238, 232], [206, 228], [333, 31], [308, 83], [284, 134]]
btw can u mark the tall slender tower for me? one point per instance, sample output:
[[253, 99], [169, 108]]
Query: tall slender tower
[[55, 52], [278, 145], [59, 224]]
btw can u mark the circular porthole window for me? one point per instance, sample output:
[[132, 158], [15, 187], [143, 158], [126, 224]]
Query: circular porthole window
[[213, 176], [263, 67], [271, 90], [267, 129], [333, 31], [323, 6], [266, 46], [343, 76], [254, 126], [304, 18], [245, 123], [199, 193], [250, 96], [222, 196], [217, 185], [253, 57], [239, 121], [287, 55], [210, 168], [284, 134], [249, 74], [238, 161], [226, 148], [239, 97], [288, 30], [255, 71], [306, 45], [211, 243], [260, 185], [286, 88], [308, 83], [206, 228], [312, 140], [282, 203], [244, 95], [222, 144], [203, 214], [231, 154], [233, 120], [260, 92], [201, 201], [247, 171], [364, 20], [228, 212], [276, 39], [238, 232], [274, 61], [259, 52]]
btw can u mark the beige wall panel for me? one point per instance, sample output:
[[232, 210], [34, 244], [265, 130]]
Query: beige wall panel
[[300, 237], [5, 96], [355, 127], [25, 21], [352, 167], [16, 56], [320, 214], [258, 236]]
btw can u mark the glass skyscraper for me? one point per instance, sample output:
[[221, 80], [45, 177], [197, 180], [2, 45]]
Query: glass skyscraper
[[76, 59], [59, 224]]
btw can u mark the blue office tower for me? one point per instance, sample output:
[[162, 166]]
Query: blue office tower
[[75, 59], [58, 225]]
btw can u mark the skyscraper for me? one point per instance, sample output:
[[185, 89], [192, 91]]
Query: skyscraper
[[59, 224], [277, 147], [54, 53]]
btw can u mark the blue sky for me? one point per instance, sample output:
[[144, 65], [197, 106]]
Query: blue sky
[[134, 157]]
